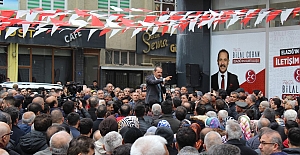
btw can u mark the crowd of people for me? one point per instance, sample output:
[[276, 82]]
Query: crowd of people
[[148, 120]]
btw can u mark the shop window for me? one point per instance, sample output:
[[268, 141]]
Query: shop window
[[3, 57], [41, 65], [165, 5], [62, 65], [108, 57], [238, 5], [116, 57], [104, 5], [122, 57], [24, 56], [131, 58], [284, 4], [47, 4]]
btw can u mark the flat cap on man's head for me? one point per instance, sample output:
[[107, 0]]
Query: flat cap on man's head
[[241, 104]]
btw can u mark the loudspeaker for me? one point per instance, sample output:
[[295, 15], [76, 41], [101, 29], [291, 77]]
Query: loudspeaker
[[169, 69], [193, 76]]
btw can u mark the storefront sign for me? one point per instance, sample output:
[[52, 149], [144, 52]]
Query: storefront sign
[[156, 44], [65, 38]]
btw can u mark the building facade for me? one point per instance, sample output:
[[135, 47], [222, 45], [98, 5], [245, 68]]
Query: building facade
[[61, 58]]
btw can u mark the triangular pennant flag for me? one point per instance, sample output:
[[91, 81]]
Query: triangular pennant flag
[[114, 31], [136, 31], [261, 16], [165, 29], [92, 31], [154, 30], [54, 28], [96, 21], [285, 14], [103, 32], [40, 30], [10, 31], [272, 15], [25, 28], [7, 13]]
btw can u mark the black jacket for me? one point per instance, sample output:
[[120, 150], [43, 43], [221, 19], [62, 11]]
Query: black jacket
[[244, 149], [32, 142], [232, 82], [292, 151], [92, 113], [175, 123]]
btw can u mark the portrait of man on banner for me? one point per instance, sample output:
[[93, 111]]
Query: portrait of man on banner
[[224, 79]]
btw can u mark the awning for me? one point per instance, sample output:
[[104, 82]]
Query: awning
[[134, 68]]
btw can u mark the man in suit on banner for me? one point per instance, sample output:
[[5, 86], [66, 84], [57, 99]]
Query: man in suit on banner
[[155, 85], [224, 79]]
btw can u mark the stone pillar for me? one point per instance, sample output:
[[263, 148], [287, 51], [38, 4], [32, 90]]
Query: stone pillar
[[193, 47]]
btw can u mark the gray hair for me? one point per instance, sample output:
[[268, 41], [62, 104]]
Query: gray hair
[[141, 145], [233, 130], [235, 93], [208, 96], [223, 114], [224, 149], [290, 115], [265, 104], [188, 150], [211, 114], [156, 109], [252, 97], [94, 101], [28, 120], [59, 142], [112, 140], [276, 138], [212, 138], [292, 103], [263, 122]]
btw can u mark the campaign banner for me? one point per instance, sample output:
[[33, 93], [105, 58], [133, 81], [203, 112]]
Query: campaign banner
[[284, 63], [246, 58]]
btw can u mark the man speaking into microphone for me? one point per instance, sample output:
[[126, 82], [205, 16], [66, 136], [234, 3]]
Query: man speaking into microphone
[[155, 85]]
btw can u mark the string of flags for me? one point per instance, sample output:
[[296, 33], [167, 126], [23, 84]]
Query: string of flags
[[138, 20]]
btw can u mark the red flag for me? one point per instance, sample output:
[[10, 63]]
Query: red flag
[[7, 13], [296, 11], [272, 15], [165, 29], [96, 21], [150, 18], [103, 32]]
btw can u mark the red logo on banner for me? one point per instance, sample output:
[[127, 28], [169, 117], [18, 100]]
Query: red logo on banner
[[250, 76], [297, 75]]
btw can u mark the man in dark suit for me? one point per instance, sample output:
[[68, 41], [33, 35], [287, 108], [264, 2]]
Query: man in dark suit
[[224, 79], [155, 85]]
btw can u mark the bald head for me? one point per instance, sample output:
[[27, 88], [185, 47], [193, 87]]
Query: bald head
[[52, 101], [212, 138], [39, 100], [59, 142], [3, 152], [4, 128], [97, 135], [57, 116], [203, 132], [4, 134], [28, 118]]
